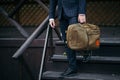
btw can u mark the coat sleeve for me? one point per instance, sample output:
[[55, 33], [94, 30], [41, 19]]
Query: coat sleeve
[[52, 8], [82, 6]]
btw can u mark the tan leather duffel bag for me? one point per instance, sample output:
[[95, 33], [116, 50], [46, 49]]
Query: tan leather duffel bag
[[83, 36]]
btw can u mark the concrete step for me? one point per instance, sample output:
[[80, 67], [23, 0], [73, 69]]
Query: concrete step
[[96, 64], [93, 59], [112, 41], [108, 47], [53, 75]]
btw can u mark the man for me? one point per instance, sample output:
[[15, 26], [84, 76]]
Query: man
[[69, 12]]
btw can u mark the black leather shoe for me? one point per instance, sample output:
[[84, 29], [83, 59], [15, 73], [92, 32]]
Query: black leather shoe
[[69, 72]]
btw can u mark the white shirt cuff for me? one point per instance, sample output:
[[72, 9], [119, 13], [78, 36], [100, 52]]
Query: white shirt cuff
[[51, 19]]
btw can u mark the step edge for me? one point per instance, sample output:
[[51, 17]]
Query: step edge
[[83, 76], [103, 41], [93, 59]]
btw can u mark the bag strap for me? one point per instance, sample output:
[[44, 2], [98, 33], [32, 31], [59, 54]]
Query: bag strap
[[87, 36]]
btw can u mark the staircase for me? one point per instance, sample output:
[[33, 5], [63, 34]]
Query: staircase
[[104, 63]]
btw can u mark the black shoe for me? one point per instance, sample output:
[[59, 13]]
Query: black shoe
[[87, 56], [69, 72]]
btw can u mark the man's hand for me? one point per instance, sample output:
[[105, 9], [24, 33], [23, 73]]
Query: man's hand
[[52, 23], [82, 18]]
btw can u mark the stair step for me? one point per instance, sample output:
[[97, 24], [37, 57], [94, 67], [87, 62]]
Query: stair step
[[53, 75], [93, 59], [104, 41]]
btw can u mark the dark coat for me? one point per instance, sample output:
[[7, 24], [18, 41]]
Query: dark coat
[[71, 7]]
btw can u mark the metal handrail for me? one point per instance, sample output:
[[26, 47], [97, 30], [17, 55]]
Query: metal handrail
[[25, 45], [13, 22], [44, 52]]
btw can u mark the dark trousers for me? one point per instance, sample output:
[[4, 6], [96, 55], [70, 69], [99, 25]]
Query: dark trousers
[[71, 54]]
